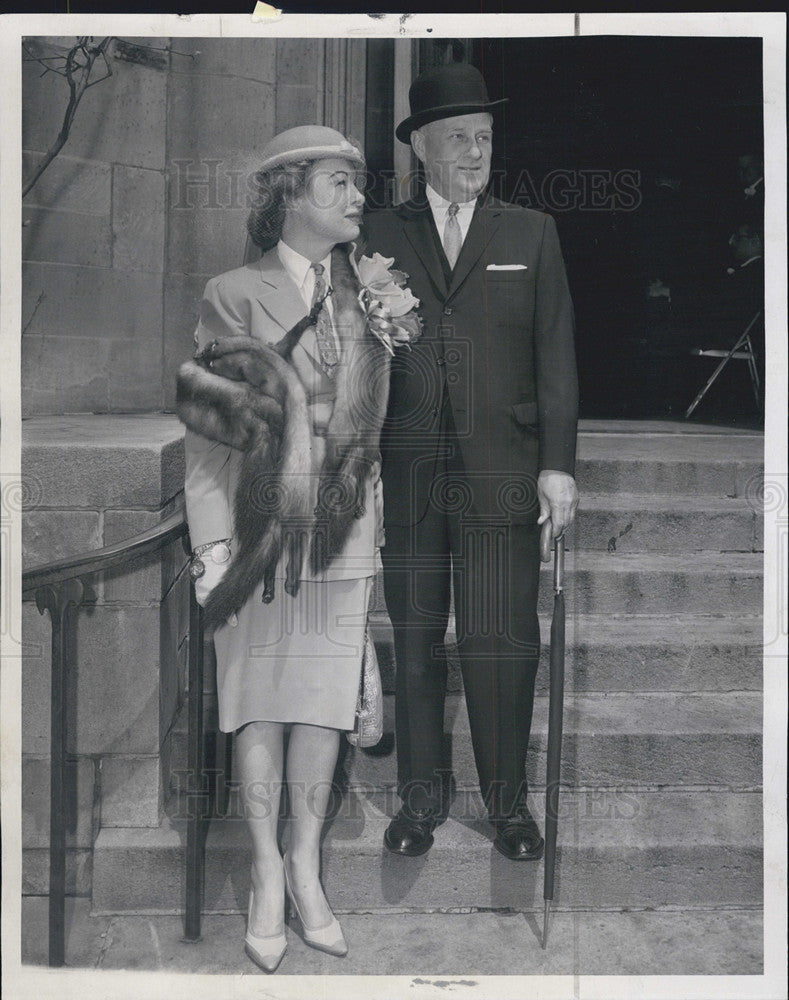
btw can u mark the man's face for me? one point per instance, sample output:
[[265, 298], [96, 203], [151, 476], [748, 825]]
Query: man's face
[[456, 154]]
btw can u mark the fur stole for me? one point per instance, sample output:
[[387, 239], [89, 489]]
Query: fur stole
[[245, 394]]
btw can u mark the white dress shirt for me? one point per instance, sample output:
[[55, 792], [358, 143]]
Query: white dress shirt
[[440, 206], [300, 270]]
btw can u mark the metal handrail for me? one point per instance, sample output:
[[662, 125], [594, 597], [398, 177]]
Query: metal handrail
[[96, 560], [59, 589]]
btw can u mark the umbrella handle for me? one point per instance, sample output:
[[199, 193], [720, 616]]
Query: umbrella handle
[[558, 564]]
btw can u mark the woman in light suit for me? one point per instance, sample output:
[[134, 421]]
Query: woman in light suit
[[291, 666]]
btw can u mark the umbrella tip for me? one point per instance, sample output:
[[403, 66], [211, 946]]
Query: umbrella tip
[[545, 916]]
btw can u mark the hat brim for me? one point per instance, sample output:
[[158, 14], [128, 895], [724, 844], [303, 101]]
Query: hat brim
[[405, 128], [313, 153]]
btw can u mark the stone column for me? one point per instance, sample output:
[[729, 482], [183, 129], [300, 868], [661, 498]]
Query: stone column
[[344, 72], [99, 480], [322, 82], [405, 163]]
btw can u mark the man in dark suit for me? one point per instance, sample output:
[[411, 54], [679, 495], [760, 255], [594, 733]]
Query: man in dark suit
[[478, 451]]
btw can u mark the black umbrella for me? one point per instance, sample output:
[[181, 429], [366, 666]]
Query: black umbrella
[[555, 711]]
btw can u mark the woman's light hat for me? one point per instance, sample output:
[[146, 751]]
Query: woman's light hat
[[308, 142]]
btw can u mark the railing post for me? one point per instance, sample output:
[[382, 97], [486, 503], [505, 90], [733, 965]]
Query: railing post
[[57, 599], [58, 588], [196, 793]]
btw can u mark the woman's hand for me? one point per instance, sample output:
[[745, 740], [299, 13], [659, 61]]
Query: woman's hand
[[206, 583]]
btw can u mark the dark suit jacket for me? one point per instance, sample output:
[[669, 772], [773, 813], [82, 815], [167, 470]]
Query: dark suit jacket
[[496, 357]]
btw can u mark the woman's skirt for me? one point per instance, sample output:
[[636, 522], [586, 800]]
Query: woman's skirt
[[297, 659]]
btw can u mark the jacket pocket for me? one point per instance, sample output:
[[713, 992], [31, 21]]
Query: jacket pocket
[[519, 275], [525, 413]]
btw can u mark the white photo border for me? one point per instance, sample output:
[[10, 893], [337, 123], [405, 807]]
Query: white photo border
[[24, 981]]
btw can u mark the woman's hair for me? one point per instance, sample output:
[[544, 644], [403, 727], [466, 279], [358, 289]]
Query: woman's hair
[[272, 191]]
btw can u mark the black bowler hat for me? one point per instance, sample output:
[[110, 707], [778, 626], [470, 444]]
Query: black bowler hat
[[454, 89]]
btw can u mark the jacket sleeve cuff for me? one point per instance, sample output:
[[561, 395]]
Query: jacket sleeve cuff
[[557, 449]]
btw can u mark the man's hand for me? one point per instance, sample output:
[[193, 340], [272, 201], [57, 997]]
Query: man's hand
[[558, 497]]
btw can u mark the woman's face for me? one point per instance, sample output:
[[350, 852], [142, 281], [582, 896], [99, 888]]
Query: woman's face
[[330, 208]]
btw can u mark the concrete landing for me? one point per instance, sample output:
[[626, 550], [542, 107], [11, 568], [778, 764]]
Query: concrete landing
[[687, 942]]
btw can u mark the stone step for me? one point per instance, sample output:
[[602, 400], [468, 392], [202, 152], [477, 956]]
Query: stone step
[[658, 462], [611, 740], [658, 583], [628, 523], [623, 740], [622, 653], [638, 583], [607, 655], [618, 653], [616, 849], [630, 653]]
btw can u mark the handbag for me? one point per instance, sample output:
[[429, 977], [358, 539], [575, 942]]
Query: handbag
[[369, 724]]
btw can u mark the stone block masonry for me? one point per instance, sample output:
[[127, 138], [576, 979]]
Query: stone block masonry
[[148, 199], [98, 480]]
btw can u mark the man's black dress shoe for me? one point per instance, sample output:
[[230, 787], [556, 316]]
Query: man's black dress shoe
[[518, 837], [411, 832]]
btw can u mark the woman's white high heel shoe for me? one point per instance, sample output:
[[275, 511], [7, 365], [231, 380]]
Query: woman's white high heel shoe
[[266, 951], [329, 938]]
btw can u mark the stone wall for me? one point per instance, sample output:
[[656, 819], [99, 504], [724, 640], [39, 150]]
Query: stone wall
[[97, 482], [93, 241], [148, 199]]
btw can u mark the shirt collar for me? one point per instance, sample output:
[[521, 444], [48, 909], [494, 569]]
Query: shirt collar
[[440, 204], [298, 267]]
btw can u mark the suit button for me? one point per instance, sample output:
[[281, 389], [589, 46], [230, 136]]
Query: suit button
[[447, 310]]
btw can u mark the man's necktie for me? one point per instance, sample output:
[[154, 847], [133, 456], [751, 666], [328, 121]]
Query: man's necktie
[[453, 238], [324, 331]]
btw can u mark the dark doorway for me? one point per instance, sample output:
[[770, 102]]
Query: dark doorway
[[632, 144]]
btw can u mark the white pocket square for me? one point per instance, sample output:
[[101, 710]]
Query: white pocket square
[[506, 267]]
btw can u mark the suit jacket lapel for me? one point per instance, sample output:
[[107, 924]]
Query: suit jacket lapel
[[484, 224], [282, 301], [418, 233], [278, 294]]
